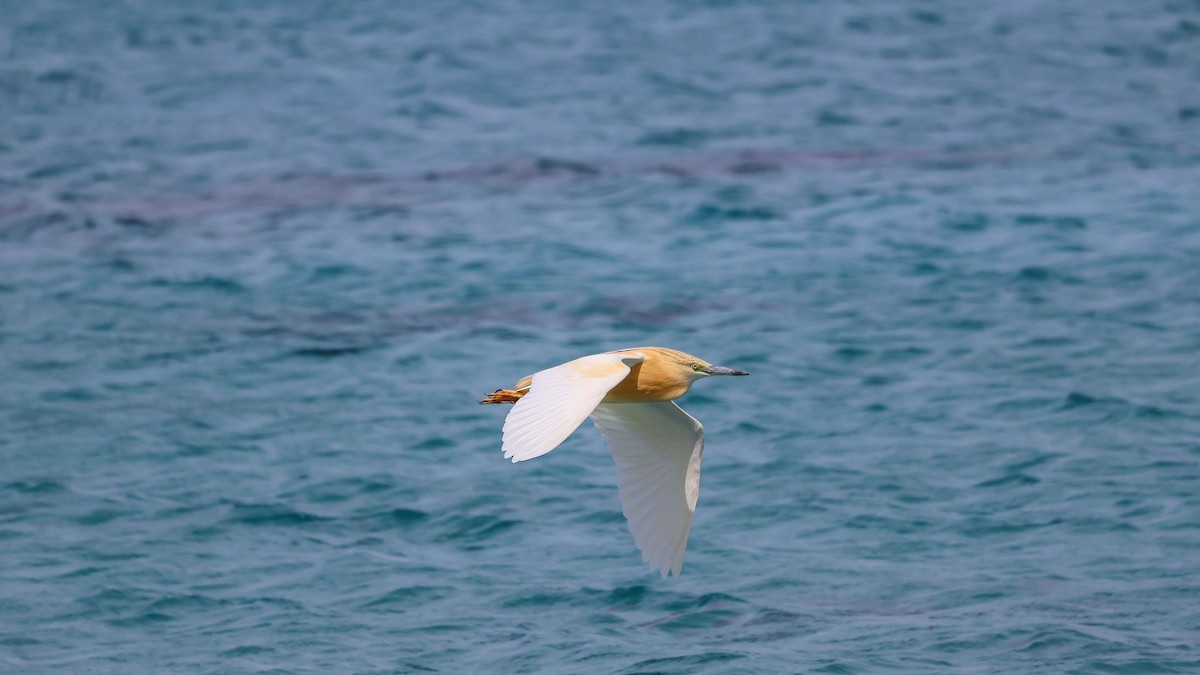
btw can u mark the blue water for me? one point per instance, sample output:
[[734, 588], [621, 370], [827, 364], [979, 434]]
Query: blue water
[[259, 260]]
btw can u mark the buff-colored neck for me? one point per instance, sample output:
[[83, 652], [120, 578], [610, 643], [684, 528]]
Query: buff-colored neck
[[665, 375]]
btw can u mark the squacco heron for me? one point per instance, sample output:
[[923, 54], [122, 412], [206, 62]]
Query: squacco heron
[[629, 394]]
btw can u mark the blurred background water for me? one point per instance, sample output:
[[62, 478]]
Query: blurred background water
[[259, 260]]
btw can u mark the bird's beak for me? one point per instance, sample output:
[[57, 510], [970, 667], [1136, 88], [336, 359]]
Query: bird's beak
[[719, 370]]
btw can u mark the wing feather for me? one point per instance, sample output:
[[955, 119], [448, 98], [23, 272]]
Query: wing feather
[[658, 448], [559, 400]]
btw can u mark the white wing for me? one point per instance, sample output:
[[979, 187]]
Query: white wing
[[658, 448], [559, 400]]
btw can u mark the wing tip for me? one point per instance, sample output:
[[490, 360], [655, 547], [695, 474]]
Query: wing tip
[[666, 571], [515, 456]]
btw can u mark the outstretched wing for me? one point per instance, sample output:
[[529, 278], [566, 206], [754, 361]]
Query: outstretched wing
[[658, 448], [559, 400]]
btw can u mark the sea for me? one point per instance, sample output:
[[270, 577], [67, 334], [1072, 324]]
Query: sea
[[259, 261]]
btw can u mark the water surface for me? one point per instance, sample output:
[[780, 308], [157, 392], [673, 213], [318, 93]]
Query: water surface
[[258, 261]]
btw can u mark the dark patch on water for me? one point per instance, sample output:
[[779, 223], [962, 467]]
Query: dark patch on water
[[1060, 222], [1009, 480], [271, 515], [328, 352], [707, 213], [409, 598], [36, 486]]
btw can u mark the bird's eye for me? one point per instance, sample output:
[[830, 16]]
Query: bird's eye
[[695, 366]]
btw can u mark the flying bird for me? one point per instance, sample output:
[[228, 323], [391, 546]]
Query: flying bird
[[630, 395]]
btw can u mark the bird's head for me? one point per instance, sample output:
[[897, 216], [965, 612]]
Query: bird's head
[[692, 367]]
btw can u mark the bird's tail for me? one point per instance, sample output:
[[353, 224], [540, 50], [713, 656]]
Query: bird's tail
[[504, 396]]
